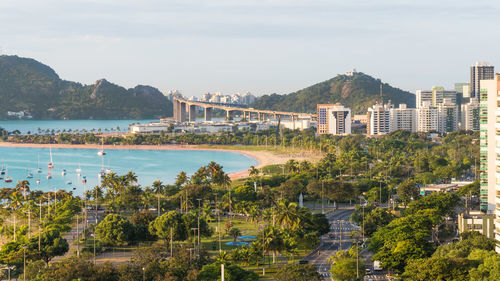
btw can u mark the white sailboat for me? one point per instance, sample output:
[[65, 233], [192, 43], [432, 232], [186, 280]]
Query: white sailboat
[[101, 152], [2, 170], [79, 170], [7, 177], [63, 173], [50, 165], [108, 170], [29, 175], [101, 174], [38, 169]]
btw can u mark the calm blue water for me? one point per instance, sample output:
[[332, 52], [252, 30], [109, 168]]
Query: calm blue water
[[32, 125], [149, 165]]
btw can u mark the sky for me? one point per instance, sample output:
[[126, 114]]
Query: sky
[[260, 46]]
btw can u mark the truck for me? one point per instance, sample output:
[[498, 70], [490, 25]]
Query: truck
[[376, 266]]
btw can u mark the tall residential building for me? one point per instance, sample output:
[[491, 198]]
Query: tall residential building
[[427, 118], [333, 119], [435, 96], [379, 120], [403, 118], [463, 89], [480, 71], [447, 116], [489, 177], [470, 116]]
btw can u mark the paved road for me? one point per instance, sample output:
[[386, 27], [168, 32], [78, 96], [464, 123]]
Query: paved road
[[338, 238]]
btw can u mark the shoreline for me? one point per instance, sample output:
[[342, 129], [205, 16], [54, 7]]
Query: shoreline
[[263, 158]]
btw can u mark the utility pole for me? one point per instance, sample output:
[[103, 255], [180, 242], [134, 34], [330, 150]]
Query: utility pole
[[357, 259], [218, 222], [77, 238], [322, 194], [340, 230], [199, 210], [171, 243]]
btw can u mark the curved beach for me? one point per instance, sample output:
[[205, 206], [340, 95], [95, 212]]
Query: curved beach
[[264, 158]]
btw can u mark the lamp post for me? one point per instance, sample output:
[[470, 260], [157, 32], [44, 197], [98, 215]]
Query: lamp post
[[199, 210], [143, 274], [24, 263], [93, 236]]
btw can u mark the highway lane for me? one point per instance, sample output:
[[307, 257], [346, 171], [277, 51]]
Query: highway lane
[[340, 227]]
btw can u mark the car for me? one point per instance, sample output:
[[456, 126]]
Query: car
[[368, 271]]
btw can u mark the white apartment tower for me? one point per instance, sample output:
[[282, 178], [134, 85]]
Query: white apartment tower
[[480, 71], [379, 120], [448, 116], [333, 119], [403, 118], [435, 96], [490, 151], [470, 115], [427, 118]]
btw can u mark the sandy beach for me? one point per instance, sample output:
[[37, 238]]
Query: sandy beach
[[263, 157]]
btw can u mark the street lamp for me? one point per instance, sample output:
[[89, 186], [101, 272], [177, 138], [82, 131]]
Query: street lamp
[[9, 268], [24, 263], [143, 274], [93, 236]]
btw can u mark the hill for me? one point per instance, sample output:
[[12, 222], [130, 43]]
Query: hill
[[358, 92], [28, 85]]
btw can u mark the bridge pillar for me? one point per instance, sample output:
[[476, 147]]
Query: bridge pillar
[[174, 108], [208, 114], [182, 112], [228, 114], [192, 113], [293, 121]]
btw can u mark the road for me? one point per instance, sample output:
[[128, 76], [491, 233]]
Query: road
[[338, 238]]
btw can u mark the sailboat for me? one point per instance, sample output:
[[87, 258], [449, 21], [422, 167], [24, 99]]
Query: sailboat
[[38, 180], [101, 174], [63, 173], [38, 169], [101, 152], [29, 175], [2, 170], [7, 178], [84, 179], [108, 170], [79, 170], [50, 165]]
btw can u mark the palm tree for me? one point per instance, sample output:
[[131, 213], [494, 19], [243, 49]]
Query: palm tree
[[23, 186], [235, 232], [273, 241], [158, 187], [286, 213], [16, 200]]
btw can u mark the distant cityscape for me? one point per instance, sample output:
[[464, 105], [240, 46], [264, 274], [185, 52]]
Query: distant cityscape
[[437, 110]]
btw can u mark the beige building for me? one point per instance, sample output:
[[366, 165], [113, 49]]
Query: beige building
[[403, 118], [435, 96], [470, 115], [334, 119], [427, 118], [477, 221]]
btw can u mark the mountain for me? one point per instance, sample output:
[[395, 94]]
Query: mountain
[[357, 92], [28, 85]]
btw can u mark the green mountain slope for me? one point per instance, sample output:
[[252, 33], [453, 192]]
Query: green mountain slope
[[358, 92], [28, 85]]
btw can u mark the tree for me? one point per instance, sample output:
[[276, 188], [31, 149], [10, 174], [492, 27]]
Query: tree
[[436, 268], [181, 179], [212, 272], [344, 267], [235, 232], [51, 245], [114, 230], [489, 265], [167, 224], [300, 272], [407, 191]]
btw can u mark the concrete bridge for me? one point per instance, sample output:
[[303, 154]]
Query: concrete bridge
[[185, 110]]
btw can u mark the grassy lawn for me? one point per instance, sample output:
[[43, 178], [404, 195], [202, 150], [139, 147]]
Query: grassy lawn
[[270, 148]]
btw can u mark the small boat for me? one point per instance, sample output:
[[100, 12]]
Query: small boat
[[38, 169], [79, 170], [38, 181], [7, 178], [69, 183], [2, 170], [50, 165], [49, 176], [101, 174], [63, 173], [101, 152], [29, 175], [84, 179]]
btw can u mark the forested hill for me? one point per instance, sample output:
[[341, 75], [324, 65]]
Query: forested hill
[[357, 92], [28, 85]]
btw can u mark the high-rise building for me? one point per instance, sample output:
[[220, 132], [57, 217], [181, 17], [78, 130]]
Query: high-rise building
[[489, 177], [463, 89], [480, 71], [470, 116], [403, 118], [447, 116], [379, 120], [435, 96], [333, 119], [427, 118]]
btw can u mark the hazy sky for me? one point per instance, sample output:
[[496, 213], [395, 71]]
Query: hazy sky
[[261, 46]]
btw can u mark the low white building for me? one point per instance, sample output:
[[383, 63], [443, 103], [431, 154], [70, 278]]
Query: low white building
[[470, 116]]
